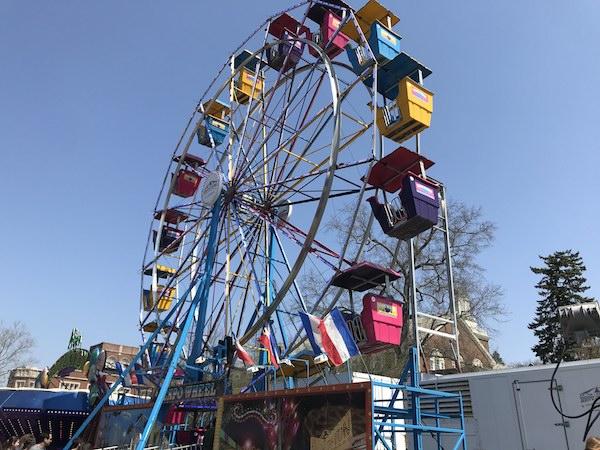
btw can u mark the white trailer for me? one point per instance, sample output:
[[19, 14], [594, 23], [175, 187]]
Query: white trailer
[[511, 409]]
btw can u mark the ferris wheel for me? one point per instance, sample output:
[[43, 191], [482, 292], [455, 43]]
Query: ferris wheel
[[304, 123], [287, 135]]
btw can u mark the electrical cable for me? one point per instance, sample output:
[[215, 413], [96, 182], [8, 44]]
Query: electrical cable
[[589, 412], [588, 425], [435, 438]]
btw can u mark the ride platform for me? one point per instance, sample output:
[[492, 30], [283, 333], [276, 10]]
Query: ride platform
[[363, 276], [344, 414]]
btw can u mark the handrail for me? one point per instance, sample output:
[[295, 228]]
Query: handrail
[[419, 390]]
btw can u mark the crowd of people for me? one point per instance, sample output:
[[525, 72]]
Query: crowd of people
[[28, 442]]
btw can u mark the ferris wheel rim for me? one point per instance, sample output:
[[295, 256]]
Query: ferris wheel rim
[[334, 149]]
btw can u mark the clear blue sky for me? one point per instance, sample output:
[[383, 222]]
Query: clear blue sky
[[93, 96]]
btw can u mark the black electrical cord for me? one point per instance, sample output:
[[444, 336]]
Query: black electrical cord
[[589, 424], [438, 441], [588, 413]]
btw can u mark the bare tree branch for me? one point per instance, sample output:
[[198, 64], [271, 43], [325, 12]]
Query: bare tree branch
[[16, 344], [470, 233]]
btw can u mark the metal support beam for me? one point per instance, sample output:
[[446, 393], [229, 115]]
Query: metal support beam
[[200, 299]]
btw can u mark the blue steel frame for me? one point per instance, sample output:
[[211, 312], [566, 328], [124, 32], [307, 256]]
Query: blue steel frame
[[409, 388], [201, 294], [200, 302]]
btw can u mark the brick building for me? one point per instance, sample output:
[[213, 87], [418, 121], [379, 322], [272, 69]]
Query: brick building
[[76, 379], [436, 353], [25, 377], [116, 353], [474, 350]]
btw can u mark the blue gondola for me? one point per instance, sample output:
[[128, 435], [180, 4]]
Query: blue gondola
[[384, 44], [214, 128]]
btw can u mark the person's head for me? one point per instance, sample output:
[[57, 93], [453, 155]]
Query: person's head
[[46, 439], [12, 443], [593, 443], [27, 441]]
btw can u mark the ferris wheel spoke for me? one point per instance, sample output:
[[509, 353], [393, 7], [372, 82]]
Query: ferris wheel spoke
[[325, 112], [304, 190], [294, 137], [253, 242], [301, 120], [261, 118], [301, 117], [242, 305], [343, 144], [283, 190]]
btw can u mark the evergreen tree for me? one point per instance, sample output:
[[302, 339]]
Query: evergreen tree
[[562, 284], [497, 357]]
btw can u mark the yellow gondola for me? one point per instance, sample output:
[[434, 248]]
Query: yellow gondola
[[164, 302], [248, 85], [409, 114], [371, 12]]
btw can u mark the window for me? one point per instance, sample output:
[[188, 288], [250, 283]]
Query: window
[[69, 385], [477, 363], [111, 363], [20, 383], [437, 361]]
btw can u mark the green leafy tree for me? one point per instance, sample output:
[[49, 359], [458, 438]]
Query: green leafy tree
[[562, 284]]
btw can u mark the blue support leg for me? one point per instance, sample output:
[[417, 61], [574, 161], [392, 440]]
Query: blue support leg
[[199, 299], [437, 423], [271, 270], [416, 399], [121, 378], [462, 424], [384, 417]]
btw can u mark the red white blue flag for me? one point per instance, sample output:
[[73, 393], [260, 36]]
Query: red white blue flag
[[243, 354], [267, 343], [330, 336]]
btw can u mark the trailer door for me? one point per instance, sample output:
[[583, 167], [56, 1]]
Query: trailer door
[[540, 425]]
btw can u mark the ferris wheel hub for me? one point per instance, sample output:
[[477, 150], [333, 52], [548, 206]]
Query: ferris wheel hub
[[212, 188]]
